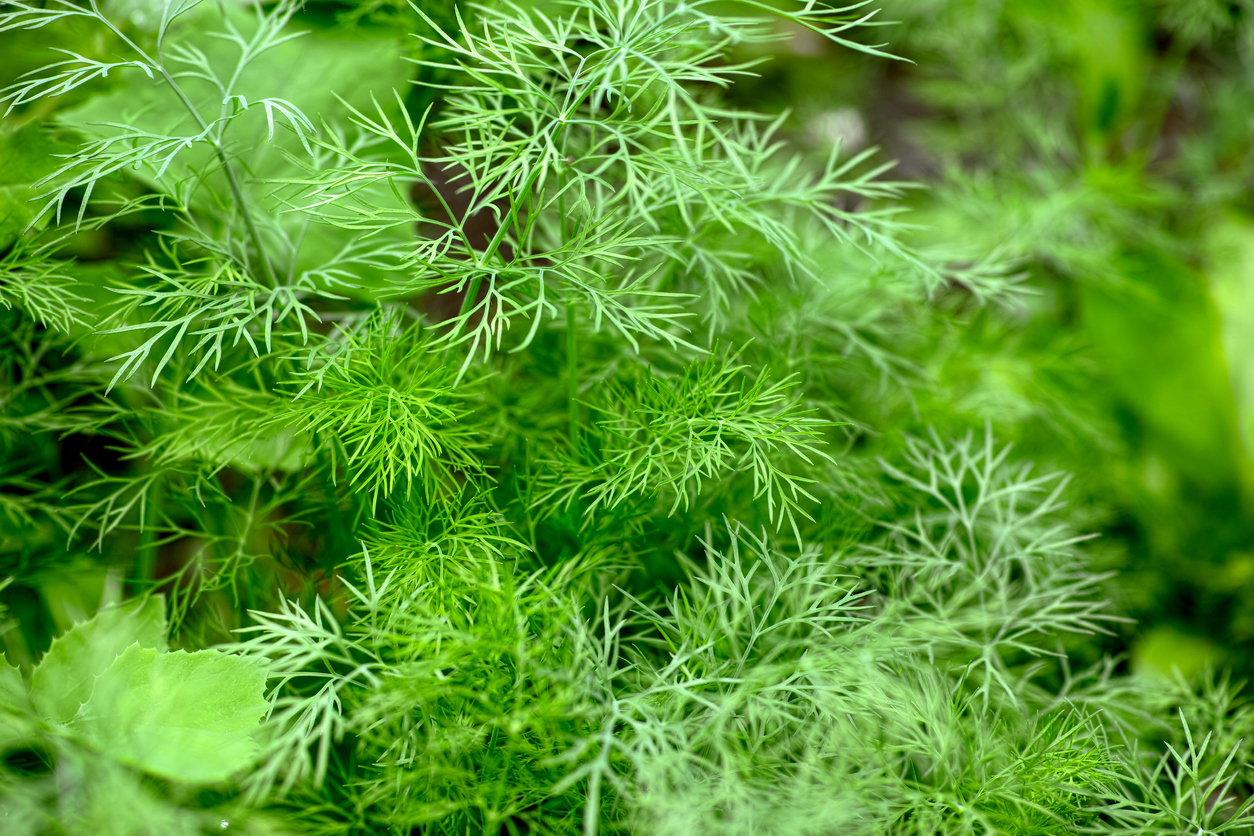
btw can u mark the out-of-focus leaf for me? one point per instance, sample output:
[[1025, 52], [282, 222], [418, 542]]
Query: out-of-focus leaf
[[25, 157], [63, 680], [185, 716], [12, 689], [108, 799], [1106, 43], [1231, 272], [1159, 334], [24, 52], [15, 212], [1164, 650], [14, 702]]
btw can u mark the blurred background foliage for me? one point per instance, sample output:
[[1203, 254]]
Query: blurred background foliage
[[1102, 148], [1107, 148]]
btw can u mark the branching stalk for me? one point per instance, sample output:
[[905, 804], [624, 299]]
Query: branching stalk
[[237, 191]]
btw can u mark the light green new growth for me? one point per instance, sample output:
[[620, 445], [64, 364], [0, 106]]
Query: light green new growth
[[665, 439]]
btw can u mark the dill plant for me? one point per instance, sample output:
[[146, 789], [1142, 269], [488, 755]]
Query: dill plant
[[510, 426]]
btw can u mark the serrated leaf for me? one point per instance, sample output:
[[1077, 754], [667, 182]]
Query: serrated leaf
[[63, 679], [184, 716], [12, 689], [14, 704]]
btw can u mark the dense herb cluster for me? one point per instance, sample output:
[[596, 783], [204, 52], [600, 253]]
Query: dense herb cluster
[[510, 451]]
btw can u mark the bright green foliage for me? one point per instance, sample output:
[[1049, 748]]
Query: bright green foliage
[[391, 404], [531, 437], [664, 439], [903, 685]]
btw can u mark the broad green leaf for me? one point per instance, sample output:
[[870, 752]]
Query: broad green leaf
[[26, 155], [283, 450], [63, 679], [185, 716], [16, 211], [102, 797]]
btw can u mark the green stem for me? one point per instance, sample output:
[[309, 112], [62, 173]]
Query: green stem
[[572, 350], [340, 534], [146, 553], [471, 293], [232, 180], [145, 567], [572, 372], [515, 205]]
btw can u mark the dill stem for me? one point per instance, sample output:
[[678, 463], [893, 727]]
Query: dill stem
[[494, 246], [572, 349], [592, 810], [232, 180], [145, 566], [572, 372], [472, 293]]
